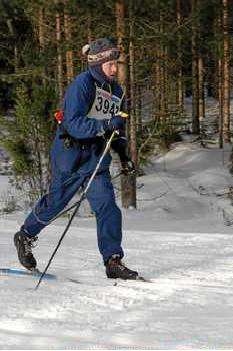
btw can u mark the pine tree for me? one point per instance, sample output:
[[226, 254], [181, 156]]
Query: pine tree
[[28, 138]]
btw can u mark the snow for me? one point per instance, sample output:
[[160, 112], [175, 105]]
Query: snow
[[180, 237]]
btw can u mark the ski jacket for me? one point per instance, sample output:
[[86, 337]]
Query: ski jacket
[[87, 102]]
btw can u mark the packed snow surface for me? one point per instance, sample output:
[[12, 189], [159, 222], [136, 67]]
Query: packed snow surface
[[180, 237]]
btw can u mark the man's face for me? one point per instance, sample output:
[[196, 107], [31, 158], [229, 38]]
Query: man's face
[[110, 69]]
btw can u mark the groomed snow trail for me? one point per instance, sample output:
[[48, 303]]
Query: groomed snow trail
[[188, 305]]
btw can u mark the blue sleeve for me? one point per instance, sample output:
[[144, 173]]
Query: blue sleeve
[[78, 98]]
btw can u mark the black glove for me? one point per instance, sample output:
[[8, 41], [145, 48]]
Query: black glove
[[115, 123], [128, 167]]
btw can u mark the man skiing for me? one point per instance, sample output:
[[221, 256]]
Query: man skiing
[[92, 106]]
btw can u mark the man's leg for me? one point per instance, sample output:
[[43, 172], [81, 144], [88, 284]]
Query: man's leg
[[60, 193], [108, 216], [109, 226], [45, 210]]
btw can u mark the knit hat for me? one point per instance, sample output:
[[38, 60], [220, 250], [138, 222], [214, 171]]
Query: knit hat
[[100, 51]]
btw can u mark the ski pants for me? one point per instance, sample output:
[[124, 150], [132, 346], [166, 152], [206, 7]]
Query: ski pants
[[101, 199]]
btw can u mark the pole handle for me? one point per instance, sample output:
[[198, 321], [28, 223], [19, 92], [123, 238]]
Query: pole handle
[[123, 114]]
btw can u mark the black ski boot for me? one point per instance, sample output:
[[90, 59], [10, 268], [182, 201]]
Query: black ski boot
[[24, 245], [116, 269]]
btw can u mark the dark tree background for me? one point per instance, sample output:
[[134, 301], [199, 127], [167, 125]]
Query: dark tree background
[[170, 49]]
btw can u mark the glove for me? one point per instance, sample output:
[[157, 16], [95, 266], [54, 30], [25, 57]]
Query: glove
[[115, 123], [128, 167]]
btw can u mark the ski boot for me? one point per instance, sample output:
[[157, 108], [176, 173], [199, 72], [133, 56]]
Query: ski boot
[[116, 269], [24, 245]]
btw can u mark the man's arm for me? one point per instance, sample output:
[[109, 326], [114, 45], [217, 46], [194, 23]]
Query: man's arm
[[78, 98]]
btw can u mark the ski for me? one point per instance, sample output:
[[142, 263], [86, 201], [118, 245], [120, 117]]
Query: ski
[[21, 272], [35, 273]]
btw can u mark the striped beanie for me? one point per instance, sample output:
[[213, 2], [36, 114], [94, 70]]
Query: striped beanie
[[100, 51]]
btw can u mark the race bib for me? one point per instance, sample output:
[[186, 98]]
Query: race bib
[[105, 105]]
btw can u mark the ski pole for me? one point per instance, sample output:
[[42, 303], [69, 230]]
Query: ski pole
[[107, 147]]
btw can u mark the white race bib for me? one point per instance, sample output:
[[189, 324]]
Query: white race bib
[[105, 104]]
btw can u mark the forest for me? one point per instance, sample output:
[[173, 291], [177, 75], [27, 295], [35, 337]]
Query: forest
[[171, 51]]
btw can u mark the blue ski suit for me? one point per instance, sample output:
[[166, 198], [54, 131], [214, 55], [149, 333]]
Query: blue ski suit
[[76, 149]]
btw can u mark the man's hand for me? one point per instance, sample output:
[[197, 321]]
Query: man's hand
[[115, 123], [128, 167]]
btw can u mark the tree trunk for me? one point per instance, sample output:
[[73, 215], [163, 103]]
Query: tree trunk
[[158, 80], [89, 29], [195, 83], [128, 183], [69, 52], [226, 73], [133, 131], [220, 103], [41, 34], [133, 136], [163, 73], [180, 93], [59, 58], [120, 27], [218, 77], [201, 93], [42, 42]]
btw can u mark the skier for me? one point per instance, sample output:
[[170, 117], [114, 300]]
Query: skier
[[92, 106]]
